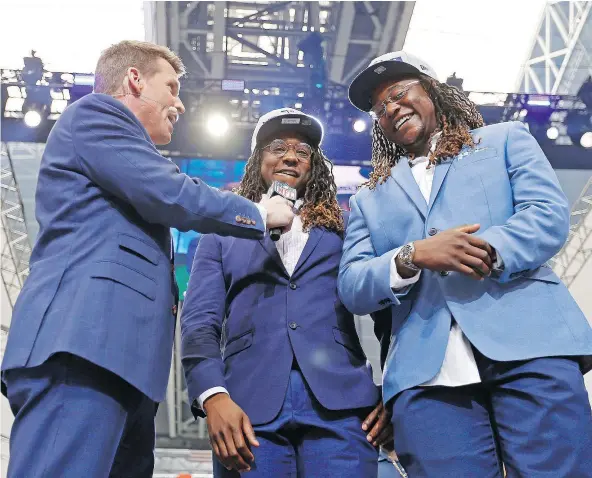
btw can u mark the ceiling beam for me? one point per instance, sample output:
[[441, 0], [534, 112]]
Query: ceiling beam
[[346, 23]]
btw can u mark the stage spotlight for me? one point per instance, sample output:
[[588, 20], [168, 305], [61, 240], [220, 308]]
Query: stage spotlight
[[217, 125], [579, 127], [36, 105], [32, 118], [552, 133], [586, 140], [359, 126]]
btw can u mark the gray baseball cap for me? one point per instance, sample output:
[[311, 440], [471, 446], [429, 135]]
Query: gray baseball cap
[[287, 119], [392, 65]]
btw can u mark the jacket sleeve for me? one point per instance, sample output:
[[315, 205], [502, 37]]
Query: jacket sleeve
[[539, 226], [201, 321], [116, 154], [364, 282]]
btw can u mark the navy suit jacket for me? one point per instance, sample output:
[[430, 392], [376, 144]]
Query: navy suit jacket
[[268, 318], [101, 285]]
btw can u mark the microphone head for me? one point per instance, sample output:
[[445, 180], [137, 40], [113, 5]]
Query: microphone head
[[278, 187]]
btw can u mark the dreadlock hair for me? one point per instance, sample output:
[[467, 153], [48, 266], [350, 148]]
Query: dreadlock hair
[[320, 207], [456, 115]]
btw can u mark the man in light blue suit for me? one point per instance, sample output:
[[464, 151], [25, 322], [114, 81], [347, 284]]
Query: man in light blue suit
[[452, 234], [89, 349]]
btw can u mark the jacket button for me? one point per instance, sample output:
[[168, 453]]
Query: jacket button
[[293, 325], [433, 231], [444, 273], [293, 286]]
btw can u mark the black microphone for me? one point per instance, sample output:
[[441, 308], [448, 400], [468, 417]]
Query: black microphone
[[279, 188]]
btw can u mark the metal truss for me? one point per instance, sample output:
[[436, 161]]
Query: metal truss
[[366, 30], [16, 250], [258, 40], [4, 449], [184, 431], [60, 88], [185, 425], [570, 261], [560, 59], [547, 110], [15, 254]]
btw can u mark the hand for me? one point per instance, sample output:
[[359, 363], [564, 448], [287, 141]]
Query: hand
[[230, 432], [279, 211], [455, 250], [379, 424]]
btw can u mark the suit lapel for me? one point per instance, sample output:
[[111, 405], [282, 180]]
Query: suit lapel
[[401, 172], [439, 176], [313, 239], [270, 248]]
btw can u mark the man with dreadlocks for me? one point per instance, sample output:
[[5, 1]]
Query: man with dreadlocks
[[451, 235], [292, 394]]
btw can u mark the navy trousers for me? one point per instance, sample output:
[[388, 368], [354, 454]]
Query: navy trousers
[[75, 419], [308, 441], [532, 417]]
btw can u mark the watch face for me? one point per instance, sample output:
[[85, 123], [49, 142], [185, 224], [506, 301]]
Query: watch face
[[407, 253], [406, 256]]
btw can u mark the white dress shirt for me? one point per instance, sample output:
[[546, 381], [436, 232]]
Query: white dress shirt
[[263, 213], [290, 246], [459, 366]]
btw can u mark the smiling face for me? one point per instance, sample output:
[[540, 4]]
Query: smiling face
[[409, 117], [287, 169]]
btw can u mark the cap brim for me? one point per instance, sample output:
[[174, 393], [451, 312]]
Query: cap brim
[[313, 131], [361, 89]]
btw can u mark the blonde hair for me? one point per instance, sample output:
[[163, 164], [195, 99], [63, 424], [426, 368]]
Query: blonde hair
[[115, 60]]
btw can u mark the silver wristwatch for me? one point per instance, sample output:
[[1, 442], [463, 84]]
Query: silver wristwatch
[[406, 257]]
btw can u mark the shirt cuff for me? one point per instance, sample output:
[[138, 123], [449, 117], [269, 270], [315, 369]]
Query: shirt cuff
[[397, 283], [498, 265], [263, 213], [208, 393]]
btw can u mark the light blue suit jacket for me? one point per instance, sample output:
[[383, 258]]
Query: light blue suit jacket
[[507, 186], [101, 285]]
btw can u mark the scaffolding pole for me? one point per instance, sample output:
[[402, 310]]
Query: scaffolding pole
[[16, 249], [570, 261]]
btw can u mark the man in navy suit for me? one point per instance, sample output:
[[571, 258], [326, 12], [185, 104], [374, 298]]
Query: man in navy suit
[[290, 394], [89, 349]]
